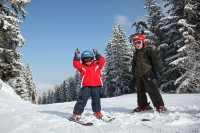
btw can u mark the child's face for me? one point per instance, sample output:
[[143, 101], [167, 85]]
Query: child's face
[[88, 61], [138, 44]]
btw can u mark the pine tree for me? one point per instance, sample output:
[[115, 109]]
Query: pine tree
[[71, 92], [18, 83], [66, 91], [39, 100], [48, 97], [172, 41], [44, 98], [10, 37], [140, 28], [189, 81], [70, 88], [77, 83], [51, 96], [30, 85], [154, 16], [62, 92], [19, 86], [107, 88], [153, 33], [118, 77], [56, 97], [11, 68]]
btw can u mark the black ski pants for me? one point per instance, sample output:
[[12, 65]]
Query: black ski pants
[[145, 84], [86, 92]]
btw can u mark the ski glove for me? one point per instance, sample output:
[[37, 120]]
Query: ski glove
[[96, 54], [95, 51], [77, 54]]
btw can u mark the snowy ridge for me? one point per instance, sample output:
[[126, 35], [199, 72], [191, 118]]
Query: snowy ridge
[[183, 115], [7, 94]]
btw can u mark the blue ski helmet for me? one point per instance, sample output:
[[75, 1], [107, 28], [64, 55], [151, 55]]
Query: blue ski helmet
[[87, 54]]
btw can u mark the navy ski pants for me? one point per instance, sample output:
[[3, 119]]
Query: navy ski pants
[[86, 92]]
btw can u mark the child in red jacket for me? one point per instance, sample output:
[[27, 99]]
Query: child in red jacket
[[91, 82]]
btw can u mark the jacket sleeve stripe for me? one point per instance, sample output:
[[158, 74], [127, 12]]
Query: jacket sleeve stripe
[[100, 80], [96, 68], [83, 69], [82, 81]]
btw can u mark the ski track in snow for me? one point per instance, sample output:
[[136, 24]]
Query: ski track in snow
[[182, 116]]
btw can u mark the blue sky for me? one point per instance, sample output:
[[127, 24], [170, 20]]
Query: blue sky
[[53, 29]]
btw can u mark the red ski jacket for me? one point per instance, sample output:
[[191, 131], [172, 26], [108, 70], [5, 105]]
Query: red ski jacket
[[90, 75]]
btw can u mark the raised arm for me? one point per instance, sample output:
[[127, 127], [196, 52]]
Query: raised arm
[[100, 59], [76, 62]]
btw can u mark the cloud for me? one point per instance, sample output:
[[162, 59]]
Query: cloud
[[42, 87], [122, 20]]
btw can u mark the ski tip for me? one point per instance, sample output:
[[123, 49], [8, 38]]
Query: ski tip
[[88, 124], [108, 120], [146, 120]]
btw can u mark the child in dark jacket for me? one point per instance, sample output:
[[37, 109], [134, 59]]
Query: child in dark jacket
[[91, 82], [146, 72]]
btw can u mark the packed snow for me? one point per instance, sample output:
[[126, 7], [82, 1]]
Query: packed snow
[[17, 116]]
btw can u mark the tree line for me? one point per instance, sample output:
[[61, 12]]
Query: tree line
[[173, 28], [176, 35]]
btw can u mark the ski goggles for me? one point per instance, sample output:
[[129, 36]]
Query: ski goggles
[[87, 60], [137, 42]]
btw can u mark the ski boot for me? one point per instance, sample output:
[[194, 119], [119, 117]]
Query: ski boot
[[98, 115], [161, 109], [75, 117], [143, 108]]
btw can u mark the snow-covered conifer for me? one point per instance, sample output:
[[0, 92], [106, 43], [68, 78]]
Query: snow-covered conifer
[[30, 85], [56, 97], [154, 16], [172, 41], [77, 83], [117, 71], [189, 81], [11, 68], [44, 98]]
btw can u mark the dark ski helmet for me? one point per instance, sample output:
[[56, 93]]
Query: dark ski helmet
[[87, 54]]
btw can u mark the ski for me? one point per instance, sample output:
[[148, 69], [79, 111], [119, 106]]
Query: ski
[[143, 111], [146, 120], [82, 122], [108, 119]]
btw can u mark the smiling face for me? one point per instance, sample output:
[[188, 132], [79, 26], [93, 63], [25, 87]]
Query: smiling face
[[138, 44], [88, 61]]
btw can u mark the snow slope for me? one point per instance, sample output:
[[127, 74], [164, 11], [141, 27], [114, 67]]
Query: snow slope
[[17, 116]]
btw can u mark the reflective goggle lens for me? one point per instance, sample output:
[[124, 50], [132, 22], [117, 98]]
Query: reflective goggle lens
[[137, 42], [87, 60]]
